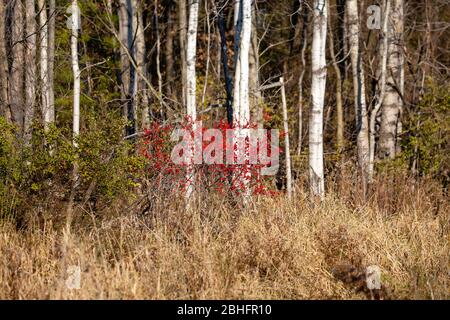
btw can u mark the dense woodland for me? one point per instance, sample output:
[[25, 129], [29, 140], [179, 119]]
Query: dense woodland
[[359, 89]]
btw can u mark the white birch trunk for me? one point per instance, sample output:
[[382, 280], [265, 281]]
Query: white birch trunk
[[158, 55], [286, 141], [43, 56], [76, 73], [256, 98], [381, 88], [191, 52], [392, 102], [401, 81], [237, 73], [241, 102], [319, 78], [244, 51], [51, 58], [241, 99], [191, 81], [183, 38]]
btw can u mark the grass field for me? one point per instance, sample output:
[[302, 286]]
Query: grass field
[[270, 249]]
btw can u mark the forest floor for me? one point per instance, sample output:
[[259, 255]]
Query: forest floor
[[271, 249]]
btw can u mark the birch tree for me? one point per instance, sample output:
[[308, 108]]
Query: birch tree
[[359, 89], [191, 52], [392, 102], [191, 81], [318, 84], [381, 87], [158, 52], [183, 38], [51, 57], [254, 83], [241, 100], [286, 140], [237, 34], [47, 113], [76, 70]]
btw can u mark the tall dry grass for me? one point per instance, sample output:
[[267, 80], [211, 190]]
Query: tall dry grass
[[270, 249]]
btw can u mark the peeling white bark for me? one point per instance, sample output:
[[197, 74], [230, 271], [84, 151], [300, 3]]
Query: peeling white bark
[[382, 88], [43, 50], [191, 51], [76, 74], [318, 84], [392, 102]]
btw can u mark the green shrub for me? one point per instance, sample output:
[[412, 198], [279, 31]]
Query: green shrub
[[426, 144], [42, 172]]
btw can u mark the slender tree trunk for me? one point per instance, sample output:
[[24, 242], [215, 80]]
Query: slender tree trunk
[[191, 59], [51, 58], [142, 101], [74, 27], [76, 73], [208, 55], [392, 102], [224, 56], [191, 80], [17, 69], [183, 37], [129, 84], [124, 59], [304, 43], [4, 101], [158, 55], [402, 77], [339, 103], [30, 75], [131, 45], [237, 67], [241, 86], [169, 58], [381, 87], [256, 98], [342, 38], [43, 56], [286, 141], [318, 84], [241, 99], [362, 127]]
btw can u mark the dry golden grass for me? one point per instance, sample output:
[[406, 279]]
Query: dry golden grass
[[272, 249]]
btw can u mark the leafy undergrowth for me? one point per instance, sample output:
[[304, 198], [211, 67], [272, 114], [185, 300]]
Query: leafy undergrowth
[[269, 249]]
